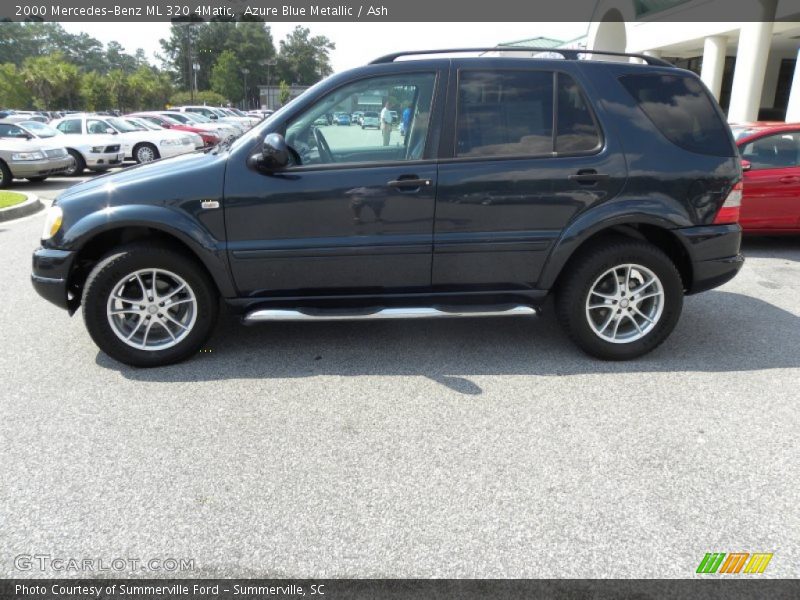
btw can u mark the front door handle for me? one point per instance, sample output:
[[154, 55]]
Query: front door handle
[[588, 177], [789, 179], [409, 182]]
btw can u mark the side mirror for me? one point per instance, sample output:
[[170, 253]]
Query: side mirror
[[111, 131], [274, 153], [213, 117], [746, 166]]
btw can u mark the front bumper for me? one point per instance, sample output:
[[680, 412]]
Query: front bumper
[[714, 254], [39, 168], [106, 160], [50, 275]]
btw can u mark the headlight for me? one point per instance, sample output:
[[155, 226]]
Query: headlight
[[27, 156], [170, 142], [97, 149], [52, 222]]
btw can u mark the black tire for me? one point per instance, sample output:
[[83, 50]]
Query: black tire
[[36, 179], [584, 270], [79, 165], [147, 149], [126, 260], [5, 175]]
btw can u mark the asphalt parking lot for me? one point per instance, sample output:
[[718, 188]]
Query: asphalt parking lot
[[457, 448]]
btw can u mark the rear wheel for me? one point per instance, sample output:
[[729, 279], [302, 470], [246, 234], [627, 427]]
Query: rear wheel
[[149, 305], [77, 166], [620, 299]]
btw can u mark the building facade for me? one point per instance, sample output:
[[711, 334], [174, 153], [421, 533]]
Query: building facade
[[751, 67]]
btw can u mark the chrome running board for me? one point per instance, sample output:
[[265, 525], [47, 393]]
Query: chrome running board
[[282, 314]]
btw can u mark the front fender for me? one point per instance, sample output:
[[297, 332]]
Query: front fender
[[665, 215], [177, 224]]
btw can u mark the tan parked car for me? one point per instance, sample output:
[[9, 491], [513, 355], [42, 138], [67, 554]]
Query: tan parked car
[[24, 157]]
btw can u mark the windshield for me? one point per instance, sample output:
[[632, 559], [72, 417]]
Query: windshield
[[121, 125], [179, 117], [197, 118], [740, 132], [40, 129]]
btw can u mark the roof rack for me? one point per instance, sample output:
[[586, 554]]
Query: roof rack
[[567, 53]]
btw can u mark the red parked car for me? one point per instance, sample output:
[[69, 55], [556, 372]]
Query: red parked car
[[209, 138], [771, 163]]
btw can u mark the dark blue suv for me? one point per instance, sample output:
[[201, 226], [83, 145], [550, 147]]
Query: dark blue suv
[[612, 186]]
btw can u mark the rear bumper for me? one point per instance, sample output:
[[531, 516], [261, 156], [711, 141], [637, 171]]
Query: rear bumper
[[714, 254], [50, 274]]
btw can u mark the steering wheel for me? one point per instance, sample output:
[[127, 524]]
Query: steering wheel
[[325, 153]]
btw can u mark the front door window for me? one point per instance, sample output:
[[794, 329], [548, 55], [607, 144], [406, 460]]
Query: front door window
[[377, 120]]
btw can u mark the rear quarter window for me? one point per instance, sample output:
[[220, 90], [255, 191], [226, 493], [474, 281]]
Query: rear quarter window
[[682, 110]]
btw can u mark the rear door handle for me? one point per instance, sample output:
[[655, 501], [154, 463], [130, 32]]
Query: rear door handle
[[589, 176]]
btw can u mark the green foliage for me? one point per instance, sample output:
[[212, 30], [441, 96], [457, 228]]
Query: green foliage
[[48, 68], [226, 78], [95, 94], [13, 91], [52, 81], [204, 97], [304, 60], [284, 92]]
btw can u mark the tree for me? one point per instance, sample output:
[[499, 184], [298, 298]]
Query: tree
[[94, 93], [52, 81], [13, 91], [303, 59], [226, 77], [284, 92], [146, 89]]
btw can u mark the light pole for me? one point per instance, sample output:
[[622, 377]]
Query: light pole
[[195, 69], [244, 100], [271, 62]]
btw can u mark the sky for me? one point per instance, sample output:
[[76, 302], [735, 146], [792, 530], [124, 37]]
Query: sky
[[356, 43]]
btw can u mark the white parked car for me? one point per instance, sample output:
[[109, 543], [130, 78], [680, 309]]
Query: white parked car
[[226, 131], [211, 113], [141, 146], [248, 120], [94, 152], [145, 125]]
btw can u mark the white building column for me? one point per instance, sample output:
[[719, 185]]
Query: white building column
[[748, 77], [714, 63], [793, 108]]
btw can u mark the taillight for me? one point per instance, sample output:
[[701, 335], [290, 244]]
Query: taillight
[[729, 211]]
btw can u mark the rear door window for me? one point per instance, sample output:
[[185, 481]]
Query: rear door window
[[505, 113], [576, 128], [682, 110]]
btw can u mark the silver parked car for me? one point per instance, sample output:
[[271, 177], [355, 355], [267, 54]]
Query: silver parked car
[[22, 156], [96, 152]]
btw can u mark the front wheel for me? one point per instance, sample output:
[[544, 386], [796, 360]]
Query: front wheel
[[145, 153], [620, 299], [149, 305]]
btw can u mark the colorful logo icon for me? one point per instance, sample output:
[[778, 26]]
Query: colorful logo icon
[[735, 561]]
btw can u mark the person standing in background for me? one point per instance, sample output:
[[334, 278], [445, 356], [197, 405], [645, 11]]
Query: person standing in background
[[386, 123]]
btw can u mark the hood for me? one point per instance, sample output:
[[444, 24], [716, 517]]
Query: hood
[[152, 182], [9, 145]]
